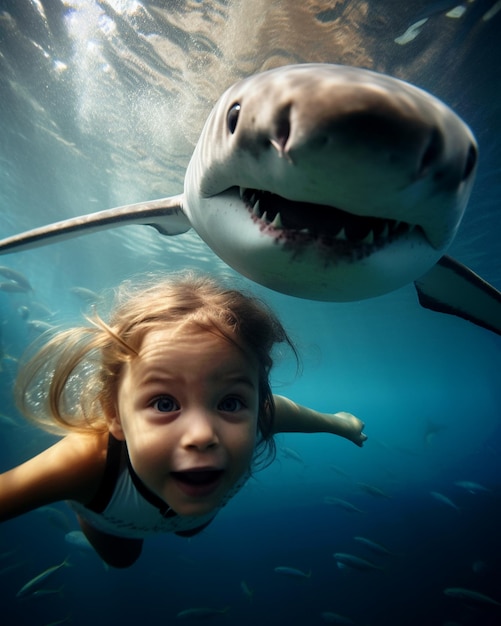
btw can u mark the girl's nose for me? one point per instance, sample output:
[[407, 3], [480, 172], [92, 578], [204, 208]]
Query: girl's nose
[[200, 432]]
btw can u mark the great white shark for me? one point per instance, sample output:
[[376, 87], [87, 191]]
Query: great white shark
[[324, 182]]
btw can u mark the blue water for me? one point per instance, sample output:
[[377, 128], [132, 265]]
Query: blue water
[[101, 104]]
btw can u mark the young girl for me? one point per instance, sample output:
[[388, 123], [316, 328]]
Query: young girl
[[165, 410]]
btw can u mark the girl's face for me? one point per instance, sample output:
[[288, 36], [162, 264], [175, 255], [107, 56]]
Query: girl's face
[[187, 407]]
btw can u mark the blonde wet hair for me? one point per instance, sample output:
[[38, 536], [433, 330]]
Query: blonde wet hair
[[71, 382]]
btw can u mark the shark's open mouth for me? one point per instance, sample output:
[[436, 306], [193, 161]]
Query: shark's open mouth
[[330, 226]]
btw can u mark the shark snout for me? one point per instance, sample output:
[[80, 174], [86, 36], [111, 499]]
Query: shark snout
[[407, 150], [405, 142]]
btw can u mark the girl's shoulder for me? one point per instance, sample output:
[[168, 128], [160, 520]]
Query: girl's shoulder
[[79, 460], [71, 469]]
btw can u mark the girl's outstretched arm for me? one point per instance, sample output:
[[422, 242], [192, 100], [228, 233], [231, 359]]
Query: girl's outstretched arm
[[294, 418], [69, 470]]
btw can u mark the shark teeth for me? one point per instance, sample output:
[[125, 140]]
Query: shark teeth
[[277, 222], [320, 222]]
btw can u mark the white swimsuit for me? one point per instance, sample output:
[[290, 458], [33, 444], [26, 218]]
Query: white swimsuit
[[125, 507]]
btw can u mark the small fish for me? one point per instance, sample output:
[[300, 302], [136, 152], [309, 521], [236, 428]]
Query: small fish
[[339, 471], [23, 312], [201, 613], [35, 583], [12, 567], [87, 295], [471, 486], [342, 504], [16, 277], [492, 12], [40, 309], [8, 422], [79, 540], [12, 287], [8, 358], [335, 618], [378, 548], [441, 498], [289, 453], [246, 590], [470, 597], [432, 430], [56, 517], [40, 326], [374, 491], [40, 593], [344, 560], [292, 571]]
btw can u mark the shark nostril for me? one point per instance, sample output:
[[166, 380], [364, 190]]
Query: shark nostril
[[431, 154], [282, 129], [471, 161]]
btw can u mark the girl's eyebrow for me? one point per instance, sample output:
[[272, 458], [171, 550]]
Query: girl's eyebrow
[[241, 379], [238, 378], [153, 379]]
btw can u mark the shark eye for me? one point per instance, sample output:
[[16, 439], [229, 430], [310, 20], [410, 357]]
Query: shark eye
[[232, 117]]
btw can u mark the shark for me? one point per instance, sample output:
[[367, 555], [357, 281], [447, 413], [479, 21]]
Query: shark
[[325, 182]]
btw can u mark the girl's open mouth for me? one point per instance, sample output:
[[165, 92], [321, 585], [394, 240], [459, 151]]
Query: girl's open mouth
[[198, 483]]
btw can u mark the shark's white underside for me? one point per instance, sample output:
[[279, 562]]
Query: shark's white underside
[[324, 182]]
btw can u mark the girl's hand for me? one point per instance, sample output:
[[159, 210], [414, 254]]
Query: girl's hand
[[352, 428]]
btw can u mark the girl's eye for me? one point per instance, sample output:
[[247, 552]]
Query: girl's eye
[[165, 405], [231, 404]]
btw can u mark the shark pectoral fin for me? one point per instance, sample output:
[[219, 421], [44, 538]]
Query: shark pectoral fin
[[166, 215], [450, 287]]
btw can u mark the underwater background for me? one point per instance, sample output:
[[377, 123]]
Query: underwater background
[[101, 104]]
